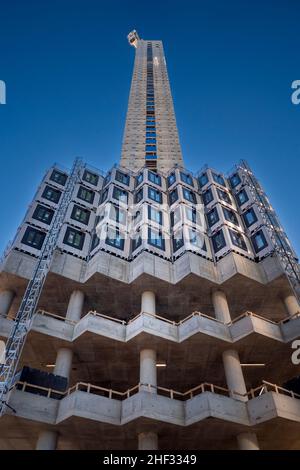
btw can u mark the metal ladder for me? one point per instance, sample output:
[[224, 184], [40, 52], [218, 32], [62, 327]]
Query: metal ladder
[[22, 323], [285, 253]]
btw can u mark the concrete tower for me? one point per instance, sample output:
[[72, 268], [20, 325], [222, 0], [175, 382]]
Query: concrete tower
[[149, 299], [151, 135]]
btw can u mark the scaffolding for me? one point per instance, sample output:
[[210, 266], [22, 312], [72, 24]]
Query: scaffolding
[[282, 247], [23, 320]]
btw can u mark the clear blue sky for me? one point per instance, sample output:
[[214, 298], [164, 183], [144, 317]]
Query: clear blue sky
[[67, 66]]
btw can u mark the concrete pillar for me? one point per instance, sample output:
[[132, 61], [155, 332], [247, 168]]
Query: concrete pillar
[[63, 362], [47, 440], [247, 441], [291, 304], [6, 300], [221, 308], [148, 302], [234, 374], [148, 370], [148, 441], [75, 306]]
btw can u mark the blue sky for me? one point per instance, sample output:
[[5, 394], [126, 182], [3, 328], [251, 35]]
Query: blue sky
[[67, 67]]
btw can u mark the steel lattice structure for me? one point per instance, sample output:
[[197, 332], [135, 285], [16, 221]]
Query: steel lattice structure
[[22, 323], [282, 247]]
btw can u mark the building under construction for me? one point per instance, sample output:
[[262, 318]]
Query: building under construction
[[149, 307]]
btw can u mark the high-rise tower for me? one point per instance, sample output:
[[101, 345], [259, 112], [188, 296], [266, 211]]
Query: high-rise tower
[[137, 303], [151, 135]]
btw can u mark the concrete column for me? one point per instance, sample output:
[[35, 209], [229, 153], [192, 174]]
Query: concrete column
[[63, 362], [47, 440], [75, 306], [291, 304], [234, 374], [247, 441], [6, 300], [148, 302], [221, 308], [148, 371], [148, 441]]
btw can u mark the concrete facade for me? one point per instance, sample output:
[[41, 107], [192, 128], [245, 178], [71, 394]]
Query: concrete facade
[[179, 342]]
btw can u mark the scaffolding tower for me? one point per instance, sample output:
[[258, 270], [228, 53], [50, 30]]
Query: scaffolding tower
[[18, 334], [282, 247]]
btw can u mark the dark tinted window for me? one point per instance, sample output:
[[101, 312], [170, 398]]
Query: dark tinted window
[[237, 239], [58, 177], [74, 238], [91, 178], [86, 194], [207, 197], [249, 217], [259, 241], [51, 194], [203, 179], [34, 238], [242, 197], [81, 215], [218, 241], [235, 180], [43, 214], [122, 177], [212, 217]]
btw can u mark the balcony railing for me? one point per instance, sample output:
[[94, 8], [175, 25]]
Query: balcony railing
[[265, 387], [171, 322]]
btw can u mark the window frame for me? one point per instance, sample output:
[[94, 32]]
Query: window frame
[[235, 233], [255, 218], [113, 244], [159, 232], [213, 238], [82, 210], [87, 190], [54, 190], [93, 175], [61, 174], [157, 192], [36, 232], [77, 232], [46, 209]]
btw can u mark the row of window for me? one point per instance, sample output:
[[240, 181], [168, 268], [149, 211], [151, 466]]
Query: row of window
[[74, 238], [35, 238], [187, 194], [153, 194], [203, 179], [229, 215], [194, 238], [259, 240], [150, 147], [53, 195], [207, 196], [61, 178], [119, 215]]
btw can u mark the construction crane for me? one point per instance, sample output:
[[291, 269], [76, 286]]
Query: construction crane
[[286, 254], [23, 319]]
